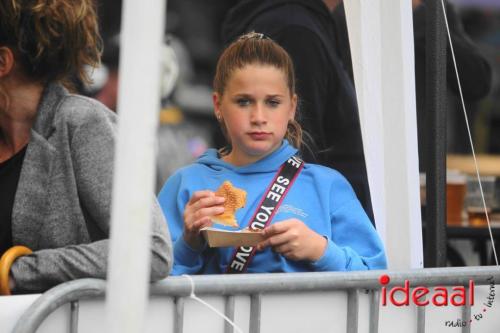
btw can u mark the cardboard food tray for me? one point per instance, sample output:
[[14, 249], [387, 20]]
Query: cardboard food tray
[[223, 238]]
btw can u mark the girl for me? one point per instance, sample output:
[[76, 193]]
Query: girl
[[319, 226], [56, 151]]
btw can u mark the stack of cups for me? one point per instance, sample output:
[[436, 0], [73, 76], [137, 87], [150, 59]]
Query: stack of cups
[[474, 201]]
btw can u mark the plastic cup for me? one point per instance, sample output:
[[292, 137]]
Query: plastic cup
[[455, 194]]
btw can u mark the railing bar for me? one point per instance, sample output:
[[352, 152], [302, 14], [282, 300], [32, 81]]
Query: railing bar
[[352, 311], [374, 310], [229, 312], [179, 315], [466, 314], [73, 320], [279, 282], [255, 308], [420, 319]]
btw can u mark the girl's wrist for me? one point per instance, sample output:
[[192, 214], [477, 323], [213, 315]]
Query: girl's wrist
[[319, 248]]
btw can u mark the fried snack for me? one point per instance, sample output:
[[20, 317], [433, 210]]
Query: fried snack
[[235, 199]]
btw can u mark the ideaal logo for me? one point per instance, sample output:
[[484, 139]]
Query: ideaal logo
[[438, 296]]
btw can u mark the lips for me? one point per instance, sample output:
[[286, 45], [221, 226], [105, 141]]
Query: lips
[[259, 135]]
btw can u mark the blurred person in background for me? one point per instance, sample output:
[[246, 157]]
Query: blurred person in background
[[56, 150], [482, 24], [474, 70], [186, 126]]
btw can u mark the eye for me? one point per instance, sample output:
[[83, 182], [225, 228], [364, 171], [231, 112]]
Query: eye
[[243, 101], [274, 103]]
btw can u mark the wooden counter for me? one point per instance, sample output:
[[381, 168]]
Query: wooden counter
[[489, 165]]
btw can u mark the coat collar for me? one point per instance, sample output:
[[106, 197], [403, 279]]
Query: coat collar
[[31, 204], [53, 95]]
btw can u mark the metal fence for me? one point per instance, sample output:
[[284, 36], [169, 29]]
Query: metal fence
[[258, 285]]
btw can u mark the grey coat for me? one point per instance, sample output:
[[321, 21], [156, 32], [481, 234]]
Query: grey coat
[[62, 204]]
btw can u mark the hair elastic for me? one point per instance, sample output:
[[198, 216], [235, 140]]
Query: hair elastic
[[254, 35]]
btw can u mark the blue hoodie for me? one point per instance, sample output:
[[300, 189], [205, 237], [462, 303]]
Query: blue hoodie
[[320, 197]]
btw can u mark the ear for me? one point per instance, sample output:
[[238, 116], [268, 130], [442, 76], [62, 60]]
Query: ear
[[216, 100], [6, 61], [293, 109]]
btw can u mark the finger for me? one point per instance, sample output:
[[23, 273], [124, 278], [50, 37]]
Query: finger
[[206, 212], [205, 222], [262, 245], [199, 224], [276, 240], [208, 201], [281, 239], [200, 194], [275, 229], [285, 248], [192, 213]]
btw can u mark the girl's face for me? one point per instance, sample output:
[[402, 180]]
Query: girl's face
[[255, 107]]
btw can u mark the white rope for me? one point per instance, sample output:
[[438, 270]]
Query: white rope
[[469, 133], [193, 296]]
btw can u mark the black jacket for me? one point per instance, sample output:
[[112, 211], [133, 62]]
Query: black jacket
[[327, 99], [475, 79]]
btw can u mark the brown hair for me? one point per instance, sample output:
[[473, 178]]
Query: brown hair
[[51, 39], [256, 48]]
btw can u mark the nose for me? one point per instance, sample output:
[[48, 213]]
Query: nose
[[258, 115]]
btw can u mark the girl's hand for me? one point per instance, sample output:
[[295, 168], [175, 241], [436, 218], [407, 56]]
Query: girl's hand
[[294, 240], [199, 209]]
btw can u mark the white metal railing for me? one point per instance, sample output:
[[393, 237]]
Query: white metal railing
[[267, 302]]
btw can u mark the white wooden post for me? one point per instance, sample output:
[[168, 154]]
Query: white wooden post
[[381, 38], [138, 107]]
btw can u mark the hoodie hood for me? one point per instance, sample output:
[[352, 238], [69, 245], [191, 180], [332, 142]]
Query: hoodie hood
[[239, 17], [270, 163]]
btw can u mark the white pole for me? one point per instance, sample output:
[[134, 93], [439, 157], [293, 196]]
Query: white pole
[[381, 37], [138, 107], [365, 41]]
